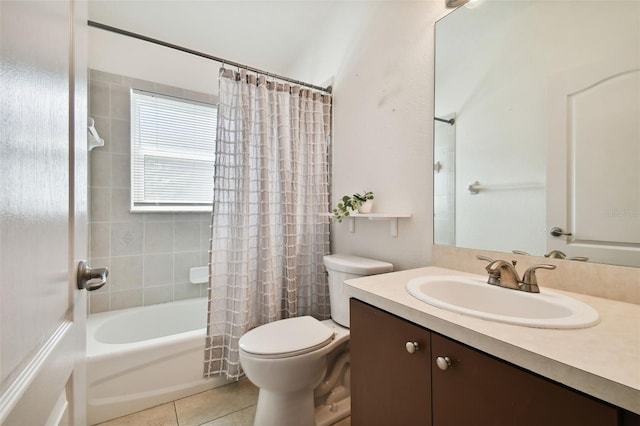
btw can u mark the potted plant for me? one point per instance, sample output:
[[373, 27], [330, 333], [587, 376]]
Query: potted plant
[[357, 202]]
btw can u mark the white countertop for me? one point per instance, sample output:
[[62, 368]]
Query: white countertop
[[602, 361]]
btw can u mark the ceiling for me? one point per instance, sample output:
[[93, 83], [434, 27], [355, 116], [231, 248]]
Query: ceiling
[[263, 34]]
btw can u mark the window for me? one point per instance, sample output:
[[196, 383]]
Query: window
[[172, 153]]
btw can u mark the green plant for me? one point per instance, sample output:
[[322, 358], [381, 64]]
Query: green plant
[[350, 204]]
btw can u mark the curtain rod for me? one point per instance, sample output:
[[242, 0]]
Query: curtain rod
[[202, 55]]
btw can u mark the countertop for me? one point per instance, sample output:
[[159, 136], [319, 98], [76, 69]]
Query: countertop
[[602, 361]]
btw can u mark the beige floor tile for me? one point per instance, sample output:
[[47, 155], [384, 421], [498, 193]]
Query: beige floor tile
[[162, 415], [243, 417], [344, 422], [219, 402], [246, 417]]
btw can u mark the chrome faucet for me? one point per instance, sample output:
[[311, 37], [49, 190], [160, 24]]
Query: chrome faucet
[[503, 274]]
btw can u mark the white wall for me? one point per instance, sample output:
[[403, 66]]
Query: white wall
[[382, 123], [261, 34], [379, 58], [118, 54]]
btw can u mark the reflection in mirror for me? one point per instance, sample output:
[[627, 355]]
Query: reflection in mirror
[[546, 100]]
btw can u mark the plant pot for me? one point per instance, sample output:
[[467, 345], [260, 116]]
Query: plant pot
[[366, 207]]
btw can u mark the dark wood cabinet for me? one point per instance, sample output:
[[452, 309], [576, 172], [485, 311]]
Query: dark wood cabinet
[[391, 386], [478, 389]]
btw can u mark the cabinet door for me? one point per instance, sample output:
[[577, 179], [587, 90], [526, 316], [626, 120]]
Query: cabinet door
[[389, 385], [478, 389]]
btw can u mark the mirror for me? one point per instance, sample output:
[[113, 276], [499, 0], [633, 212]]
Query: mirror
[[537, 125]]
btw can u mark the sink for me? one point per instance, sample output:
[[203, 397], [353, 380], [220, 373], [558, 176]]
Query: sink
[[473, 296]]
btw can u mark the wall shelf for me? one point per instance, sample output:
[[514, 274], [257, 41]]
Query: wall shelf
[[391, 217]]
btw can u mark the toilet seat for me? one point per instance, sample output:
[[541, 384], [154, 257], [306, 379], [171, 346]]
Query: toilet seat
[[286, 338]]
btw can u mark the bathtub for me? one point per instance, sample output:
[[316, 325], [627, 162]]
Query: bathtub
[[141, 357]]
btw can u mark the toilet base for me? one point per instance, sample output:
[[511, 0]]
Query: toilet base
[[327, 415], [289, 409], [275, 409]]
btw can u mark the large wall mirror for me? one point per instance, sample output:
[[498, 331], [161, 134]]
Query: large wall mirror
[[537, 126]]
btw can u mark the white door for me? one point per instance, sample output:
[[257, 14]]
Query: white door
[[43, 207], [593, 160]]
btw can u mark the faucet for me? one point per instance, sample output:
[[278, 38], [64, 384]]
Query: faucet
[[557, 254], [503, 274]]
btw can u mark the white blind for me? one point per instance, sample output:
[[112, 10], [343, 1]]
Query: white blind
[[172, 153]]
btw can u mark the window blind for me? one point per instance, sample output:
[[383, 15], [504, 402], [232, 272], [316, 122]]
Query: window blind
[[172, 153]]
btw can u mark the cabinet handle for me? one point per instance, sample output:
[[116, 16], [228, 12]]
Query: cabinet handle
[[443, 362], [412, 347]]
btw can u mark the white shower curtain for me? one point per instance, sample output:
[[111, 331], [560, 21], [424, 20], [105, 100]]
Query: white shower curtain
[[267, 235]]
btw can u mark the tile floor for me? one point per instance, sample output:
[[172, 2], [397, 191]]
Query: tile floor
[[230, 405]]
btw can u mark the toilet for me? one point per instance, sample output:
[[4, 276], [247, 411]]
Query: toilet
[[301, 365]]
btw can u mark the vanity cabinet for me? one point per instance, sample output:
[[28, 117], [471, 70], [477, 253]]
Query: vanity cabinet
[[478, 389], [392, 386], [389, 385]]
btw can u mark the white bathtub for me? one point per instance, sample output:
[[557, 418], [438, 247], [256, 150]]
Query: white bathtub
[[141, 357]]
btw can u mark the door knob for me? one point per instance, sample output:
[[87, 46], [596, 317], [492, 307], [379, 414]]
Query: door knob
[[91, 278], [412, 347], [557, 231], [443, 362]]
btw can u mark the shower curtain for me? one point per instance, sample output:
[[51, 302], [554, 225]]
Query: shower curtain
[[267, 235]]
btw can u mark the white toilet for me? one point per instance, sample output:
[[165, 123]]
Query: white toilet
[[289, 359]]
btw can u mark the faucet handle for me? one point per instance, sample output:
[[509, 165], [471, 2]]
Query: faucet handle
[[485, 258], [529, 279], [555, 254], [494, 276], [578, 258]]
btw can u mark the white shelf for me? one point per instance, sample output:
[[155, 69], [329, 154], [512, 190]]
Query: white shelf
[[391, 217]]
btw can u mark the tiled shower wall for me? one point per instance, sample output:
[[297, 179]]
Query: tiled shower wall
[[444, 181], [148, 254]]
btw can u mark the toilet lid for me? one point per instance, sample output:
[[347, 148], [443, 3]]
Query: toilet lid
[[285, 338]]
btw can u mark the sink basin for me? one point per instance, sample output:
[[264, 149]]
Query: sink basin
[[474, 297]]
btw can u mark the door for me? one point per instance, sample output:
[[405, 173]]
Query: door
[[476, 389], [593, 160], [390, 369], [43, 208]]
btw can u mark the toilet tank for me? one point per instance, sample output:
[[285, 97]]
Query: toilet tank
[[341, 267]]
